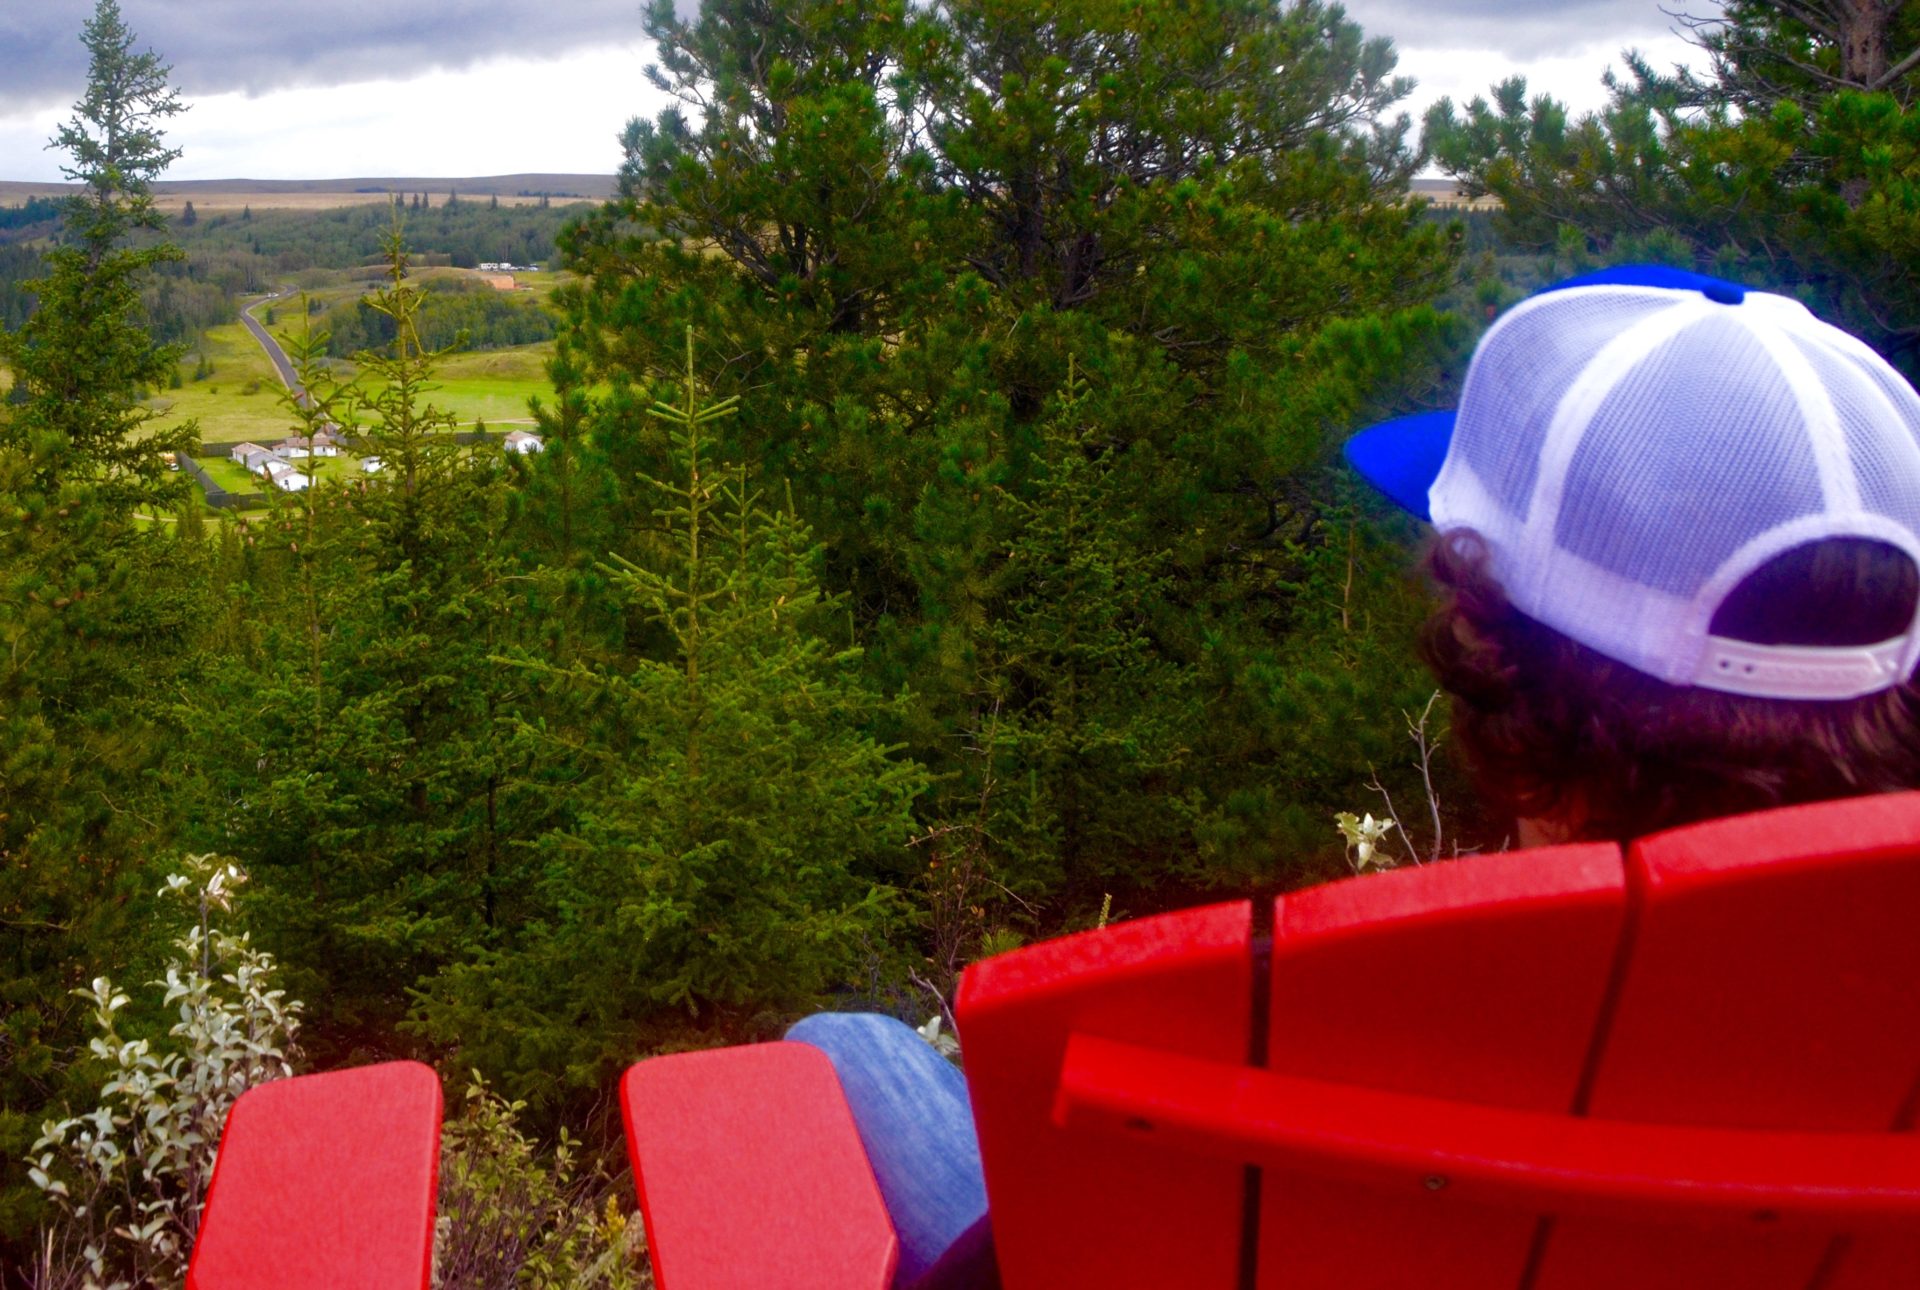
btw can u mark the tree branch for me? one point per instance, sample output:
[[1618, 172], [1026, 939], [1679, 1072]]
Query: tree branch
[[1898, 70]]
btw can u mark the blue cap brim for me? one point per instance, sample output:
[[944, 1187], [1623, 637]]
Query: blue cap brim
[[1654, 275], [1402, 457]]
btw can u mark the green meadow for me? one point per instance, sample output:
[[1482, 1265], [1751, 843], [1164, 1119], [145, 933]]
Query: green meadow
[[240, 399], [243, 398], [493, 385]]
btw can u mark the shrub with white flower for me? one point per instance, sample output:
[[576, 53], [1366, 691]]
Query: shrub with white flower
[[130, 1176]]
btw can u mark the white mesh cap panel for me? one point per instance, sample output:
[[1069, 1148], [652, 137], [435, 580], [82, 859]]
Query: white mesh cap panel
[[1882, 430], [1505, 408], [1666, 511]]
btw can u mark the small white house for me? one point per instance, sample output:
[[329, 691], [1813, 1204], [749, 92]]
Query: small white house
[[371, 465], [523, 441], [292, 481], [319, 445], [249, 455]]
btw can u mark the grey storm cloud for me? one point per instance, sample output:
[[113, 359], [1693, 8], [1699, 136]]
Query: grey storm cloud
[[1521, 29], [257, 45]]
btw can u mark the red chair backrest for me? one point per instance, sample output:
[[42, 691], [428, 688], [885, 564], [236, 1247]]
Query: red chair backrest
[[1691, 1065]]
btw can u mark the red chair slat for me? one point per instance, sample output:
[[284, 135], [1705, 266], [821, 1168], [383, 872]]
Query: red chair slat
[[751, 1173], [1774, 983], [1074, 1210], [1530, 1160], [1874, 1263], [1473, 981], [325, 1181]]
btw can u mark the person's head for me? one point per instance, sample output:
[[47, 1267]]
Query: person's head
[[1679, 550]]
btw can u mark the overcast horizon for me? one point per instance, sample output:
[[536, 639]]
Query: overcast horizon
[[487, 87]]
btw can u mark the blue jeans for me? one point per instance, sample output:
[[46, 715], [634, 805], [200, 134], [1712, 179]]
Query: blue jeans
[[910, 1105]]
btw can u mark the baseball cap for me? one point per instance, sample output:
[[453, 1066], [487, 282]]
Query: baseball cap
[[1632, 444]]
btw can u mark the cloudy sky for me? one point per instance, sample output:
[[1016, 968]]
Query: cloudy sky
[[478, 87]]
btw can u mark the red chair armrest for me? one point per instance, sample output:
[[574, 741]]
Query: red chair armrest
[[1548, 1163], [325, 1181], [751, 1173]]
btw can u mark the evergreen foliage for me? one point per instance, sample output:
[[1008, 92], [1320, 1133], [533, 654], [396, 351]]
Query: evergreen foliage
[[94, 607], [900, 223], [353, 744], [292, 241], [984, 566], [1793, 163], [567, 499], [453, 314], [84, 357], [1091, 722], [35, 212], [738, 824]]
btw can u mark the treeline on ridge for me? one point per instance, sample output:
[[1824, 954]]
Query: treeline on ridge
[[229, 256], [455, 312]]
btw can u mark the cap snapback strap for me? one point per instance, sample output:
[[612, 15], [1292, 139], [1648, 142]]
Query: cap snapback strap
[[1799, 671]]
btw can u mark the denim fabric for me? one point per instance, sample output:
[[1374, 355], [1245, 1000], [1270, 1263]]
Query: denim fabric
[[910, 1105]]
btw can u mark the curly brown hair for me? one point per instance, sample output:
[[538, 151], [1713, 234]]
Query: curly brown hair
[[1553, 730]]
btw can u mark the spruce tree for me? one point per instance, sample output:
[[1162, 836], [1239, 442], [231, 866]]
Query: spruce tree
[[565, 511], [1090, 717], [739, 829], [96, 603], [360, 716], [85, 357]]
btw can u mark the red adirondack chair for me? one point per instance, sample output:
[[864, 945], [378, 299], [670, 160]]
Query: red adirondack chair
[[1694, 1064]]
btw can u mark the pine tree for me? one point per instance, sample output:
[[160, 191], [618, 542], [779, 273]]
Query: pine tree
[[901, 222], [739, 830]]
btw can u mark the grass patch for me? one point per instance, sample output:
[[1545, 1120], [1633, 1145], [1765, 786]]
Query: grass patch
[[230, 475], [493, 384], [240, 400]]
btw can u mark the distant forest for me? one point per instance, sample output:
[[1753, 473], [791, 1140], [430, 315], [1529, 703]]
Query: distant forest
[[229, 256]]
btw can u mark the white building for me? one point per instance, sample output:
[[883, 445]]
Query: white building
[[319, 445], [250, 455], [522, 441]]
